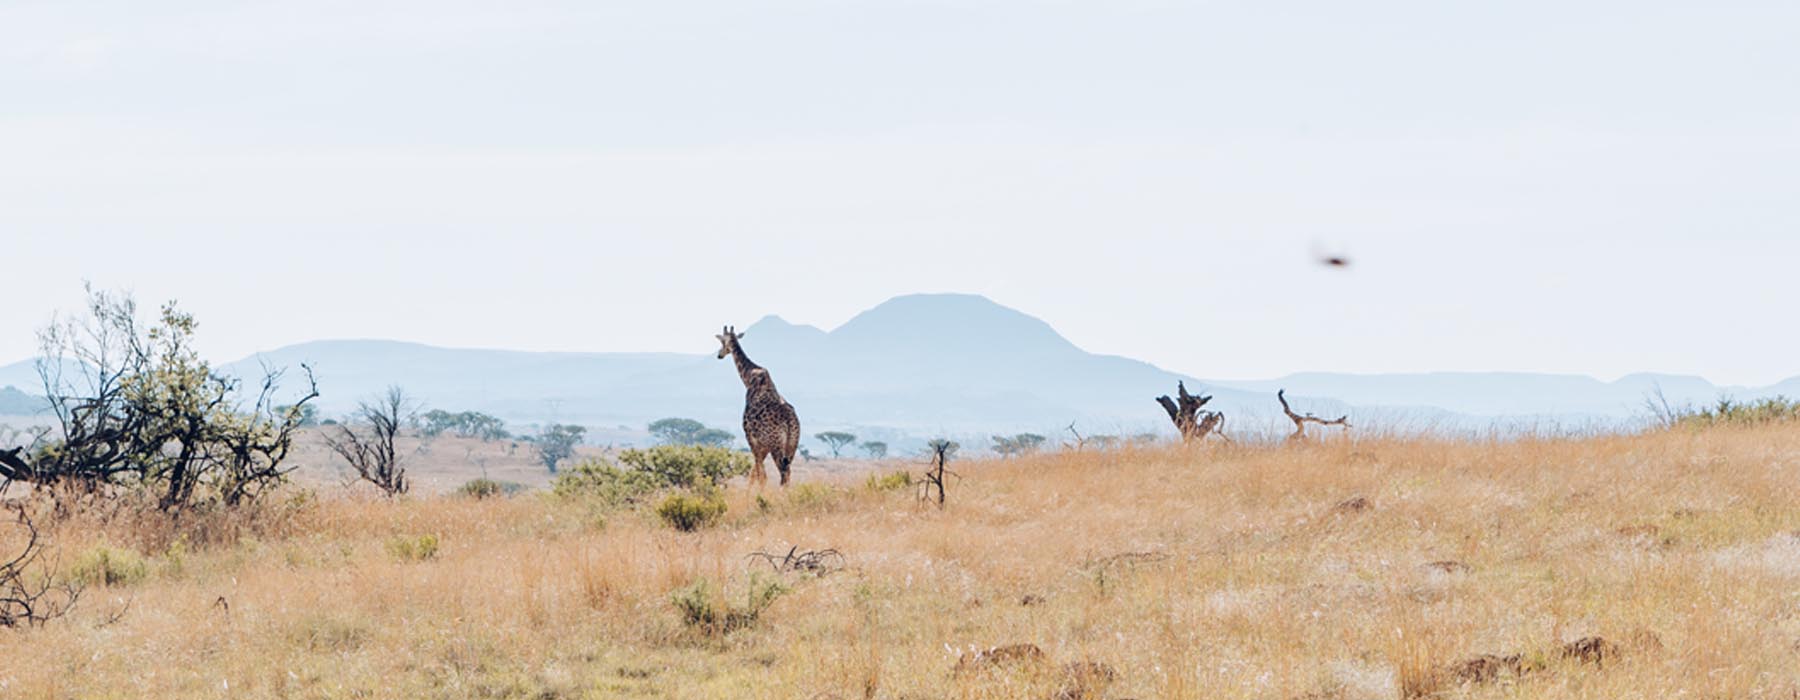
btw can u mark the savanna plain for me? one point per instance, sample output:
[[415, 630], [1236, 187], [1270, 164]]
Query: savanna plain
[[1662, 564]]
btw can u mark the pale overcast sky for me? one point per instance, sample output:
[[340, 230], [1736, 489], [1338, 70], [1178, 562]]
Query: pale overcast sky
[[1592, 187]]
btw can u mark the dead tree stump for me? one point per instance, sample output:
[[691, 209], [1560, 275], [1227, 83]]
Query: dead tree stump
[[1193, 423]]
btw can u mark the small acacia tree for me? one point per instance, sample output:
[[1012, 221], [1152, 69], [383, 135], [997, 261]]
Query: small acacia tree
[[876, 449], [556, 443], [687, 431], [368, 444], [836, 441]]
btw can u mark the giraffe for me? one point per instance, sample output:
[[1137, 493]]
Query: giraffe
[[770, 424]]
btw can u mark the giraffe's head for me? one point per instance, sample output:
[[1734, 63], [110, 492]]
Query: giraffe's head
[[728, 341]]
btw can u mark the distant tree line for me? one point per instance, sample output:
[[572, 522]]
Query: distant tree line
[[469, 424]]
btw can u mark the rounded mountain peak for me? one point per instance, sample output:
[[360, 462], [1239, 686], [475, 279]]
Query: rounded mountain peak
[[951, 320]]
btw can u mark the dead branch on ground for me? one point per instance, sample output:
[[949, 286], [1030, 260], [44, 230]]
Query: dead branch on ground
[[819, 561]]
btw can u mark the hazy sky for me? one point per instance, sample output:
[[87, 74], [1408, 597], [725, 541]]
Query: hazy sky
[[1596, 187]]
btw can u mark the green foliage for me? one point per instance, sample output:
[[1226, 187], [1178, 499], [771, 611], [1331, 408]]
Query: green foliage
[[836, 440], [611, 486], [466, 424], [101, 565], [688, 466], [1729, 411], [892, 481], [704, 609], [488, 488], [875, 448], [556, 443], [421, 548], [686, 431], [690, 511], [646, 472]]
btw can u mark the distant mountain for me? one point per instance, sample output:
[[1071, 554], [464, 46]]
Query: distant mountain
[[22, 375], [14, 402], [941, 363], [930, 364]]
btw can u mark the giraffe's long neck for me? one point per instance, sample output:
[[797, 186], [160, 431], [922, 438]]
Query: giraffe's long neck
[[744, 365]]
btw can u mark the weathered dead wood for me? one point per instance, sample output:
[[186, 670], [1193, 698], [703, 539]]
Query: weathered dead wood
[[1300, 420], [819, 561], [1193, 424], [934, 476]]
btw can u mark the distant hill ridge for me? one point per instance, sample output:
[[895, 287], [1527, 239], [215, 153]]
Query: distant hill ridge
[[926, 363]]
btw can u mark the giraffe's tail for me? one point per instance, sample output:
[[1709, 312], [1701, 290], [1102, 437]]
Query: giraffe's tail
[[784, 460]]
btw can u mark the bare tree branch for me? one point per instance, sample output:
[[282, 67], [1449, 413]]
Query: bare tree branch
[[1300, 421], [369, 447]]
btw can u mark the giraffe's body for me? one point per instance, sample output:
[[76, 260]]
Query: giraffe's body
[[770, 424]]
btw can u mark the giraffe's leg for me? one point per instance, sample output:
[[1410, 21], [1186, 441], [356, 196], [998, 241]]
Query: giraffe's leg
[[757, 476]]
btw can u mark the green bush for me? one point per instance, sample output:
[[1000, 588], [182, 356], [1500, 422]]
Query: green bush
[[892, 481], [702, 608], [108, 566], [421, 548], [488, 488], [687, 466], [610, 485], [688, 512], [648, 471]]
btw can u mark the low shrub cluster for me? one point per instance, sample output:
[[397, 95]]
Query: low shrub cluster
[[488, 488], [693, 472], [892, 481], [103, 565], [690, 511], [407, 548], [1729, 411], [703, 608]]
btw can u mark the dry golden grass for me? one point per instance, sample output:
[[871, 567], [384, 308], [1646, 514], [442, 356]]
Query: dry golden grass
[[1678, 547]]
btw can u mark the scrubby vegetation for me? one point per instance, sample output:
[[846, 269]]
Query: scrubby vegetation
[[1729, 411], [489, 488], [1655, 565], [688, 512], [651, 470]]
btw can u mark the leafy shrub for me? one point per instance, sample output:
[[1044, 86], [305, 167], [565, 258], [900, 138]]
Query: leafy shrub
[[688, 512], [704, 609], [892, 481], [488, 488], [421, 548], [648, 471], [605, 483], [688, 466], [108, 566]]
